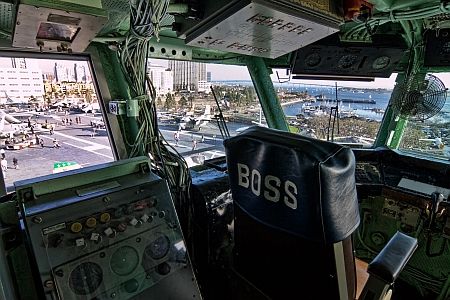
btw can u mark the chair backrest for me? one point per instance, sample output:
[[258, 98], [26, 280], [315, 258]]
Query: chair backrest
[[295, 210]]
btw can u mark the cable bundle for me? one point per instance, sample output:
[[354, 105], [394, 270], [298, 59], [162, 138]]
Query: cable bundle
[[145, 19]]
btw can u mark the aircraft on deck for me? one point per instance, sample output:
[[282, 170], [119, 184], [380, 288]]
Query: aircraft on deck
[[190, 122], [438, 146], [7, 101], [14, 126]]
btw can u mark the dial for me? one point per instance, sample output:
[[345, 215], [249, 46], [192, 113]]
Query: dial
[[85, 278], [313, 59], [158, 248], [347, 61], [124, 260], [381, 62]]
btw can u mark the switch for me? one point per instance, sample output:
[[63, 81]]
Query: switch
[[110, 232], [133, 222], [95, 236], [145, 218], [80, 242]]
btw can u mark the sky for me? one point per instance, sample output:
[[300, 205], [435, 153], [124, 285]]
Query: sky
[[227, 72], [45, 65]]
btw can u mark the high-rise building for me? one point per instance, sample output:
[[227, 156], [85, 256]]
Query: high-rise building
[[187, 74], [208, 76], [162, 79], [18, 63], [19, 85], [61, 73], [80, 73]]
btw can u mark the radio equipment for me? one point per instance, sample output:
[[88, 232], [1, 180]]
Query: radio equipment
[[109, 231]]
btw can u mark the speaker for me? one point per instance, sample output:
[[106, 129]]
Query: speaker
[[340, 60], [437, 50]]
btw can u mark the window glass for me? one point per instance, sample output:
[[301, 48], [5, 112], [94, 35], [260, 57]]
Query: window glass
[[430, 138], [54, 127], [188, 114], [347, 112], [187, 110]]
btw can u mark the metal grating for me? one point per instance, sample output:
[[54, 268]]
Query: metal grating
[[117, 5], [118, 17], [6, 16]]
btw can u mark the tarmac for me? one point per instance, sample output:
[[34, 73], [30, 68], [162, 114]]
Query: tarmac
[[76, 145]]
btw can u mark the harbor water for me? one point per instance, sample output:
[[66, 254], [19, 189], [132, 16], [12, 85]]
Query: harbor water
[[362, 109]]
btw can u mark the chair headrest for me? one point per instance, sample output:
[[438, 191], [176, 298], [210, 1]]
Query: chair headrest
[[294, 183]]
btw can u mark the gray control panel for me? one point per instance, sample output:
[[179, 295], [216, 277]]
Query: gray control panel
[[106, 232]]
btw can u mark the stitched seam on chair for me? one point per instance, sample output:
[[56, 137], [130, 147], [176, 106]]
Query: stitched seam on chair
[[333, 154], [320, 202]]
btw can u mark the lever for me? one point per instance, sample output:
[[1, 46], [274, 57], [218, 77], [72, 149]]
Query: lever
[[436, 200]]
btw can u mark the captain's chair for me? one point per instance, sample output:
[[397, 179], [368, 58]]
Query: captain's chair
[[295, 210]]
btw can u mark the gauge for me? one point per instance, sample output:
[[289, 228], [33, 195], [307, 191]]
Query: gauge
[[124, 260], [158, 248], [347, 61], [313, 59], [381, 62], [85, 278]]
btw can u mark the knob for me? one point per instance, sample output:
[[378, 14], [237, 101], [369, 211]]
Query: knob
[[76, 227], [122, 227], [163, 268], [131, 286], [105, 217], [91, 222]]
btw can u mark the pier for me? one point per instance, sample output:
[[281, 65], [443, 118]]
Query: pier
[[347, 100]]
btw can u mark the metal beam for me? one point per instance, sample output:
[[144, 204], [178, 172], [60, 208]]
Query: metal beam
[[388, 124], [259, 72], [118, 89]]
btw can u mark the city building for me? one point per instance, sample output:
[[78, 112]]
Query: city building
[[18, 62], [20, 85], [162, 79], [80, 73], [187, 74], [204, 86], [70, 73], [61, 73], [208, 76]]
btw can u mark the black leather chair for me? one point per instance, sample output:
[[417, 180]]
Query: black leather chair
[[296, 208]]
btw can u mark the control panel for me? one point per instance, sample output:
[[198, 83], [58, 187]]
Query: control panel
[[426, 218], [110, 232]]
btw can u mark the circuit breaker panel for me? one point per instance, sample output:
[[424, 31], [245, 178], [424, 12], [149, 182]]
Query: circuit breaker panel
[[106, 232]]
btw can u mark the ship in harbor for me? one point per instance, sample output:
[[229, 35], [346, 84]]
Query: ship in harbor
[[322, 97]]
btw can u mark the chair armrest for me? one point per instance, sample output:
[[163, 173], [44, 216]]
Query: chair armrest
[[388, 264]]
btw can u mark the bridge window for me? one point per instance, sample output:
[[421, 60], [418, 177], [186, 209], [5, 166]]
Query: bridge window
[[346, 112], [431, 137], [187, 112], [46, 129]]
